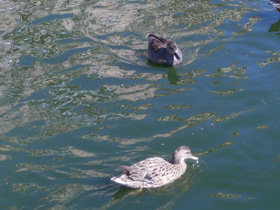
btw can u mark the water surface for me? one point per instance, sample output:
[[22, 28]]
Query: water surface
[[78, 97]]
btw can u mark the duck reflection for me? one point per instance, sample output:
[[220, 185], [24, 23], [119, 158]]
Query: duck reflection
[[275, 27], [173, 76], [124, 192]]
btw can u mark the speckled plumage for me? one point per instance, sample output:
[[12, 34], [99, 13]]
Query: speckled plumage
[[155, 171], [163, 51]]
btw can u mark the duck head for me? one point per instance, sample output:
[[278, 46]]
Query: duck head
[[172, 49], [181, 154]]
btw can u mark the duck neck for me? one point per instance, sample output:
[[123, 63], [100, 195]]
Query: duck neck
[[176, 160]]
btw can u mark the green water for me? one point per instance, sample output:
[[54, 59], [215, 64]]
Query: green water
[[78, 97]]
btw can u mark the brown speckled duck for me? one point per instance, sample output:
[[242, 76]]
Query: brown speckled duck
[[155, 171], [163, 51]]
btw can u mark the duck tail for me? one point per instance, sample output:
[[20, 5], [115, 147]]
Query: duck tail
[[126, 169], [115, 179], [275, 3]]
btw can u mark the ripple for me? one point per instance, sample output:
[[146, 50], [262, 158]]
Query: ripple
[[52, 18], [223, 92], [225, 195], [176, 106], [29, 60], [76, 84], [67, 193], [275, 57], [5, 157], [222, 145], [81, 153]]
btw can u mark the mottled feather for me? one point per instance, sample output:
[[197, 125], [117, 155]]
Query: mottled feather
[[155, 171], [163, 51]]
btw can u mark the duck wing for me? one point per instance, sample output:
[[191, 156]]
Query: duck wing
[[156, 36], [148, 169], [133, 173], [156, 41]]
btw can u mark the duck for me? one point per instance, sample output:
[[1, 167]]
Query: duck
[[163, 51], [275, 3], [155, 172]]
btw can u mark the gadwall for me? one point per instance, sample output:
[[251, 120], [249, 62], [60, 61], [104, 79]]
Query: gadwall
[[163, 51], [155, 171], [275, 3]]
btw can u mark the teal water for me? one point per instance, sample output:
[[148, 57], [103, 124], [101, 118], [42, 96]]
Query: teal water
[[78, 97]]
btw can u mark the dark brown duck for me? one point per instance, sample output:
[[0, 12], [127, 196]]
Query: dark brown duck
[[163, 51]]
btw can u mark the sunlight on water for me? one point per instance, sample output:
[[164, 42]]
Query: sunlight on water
[[78, 96]]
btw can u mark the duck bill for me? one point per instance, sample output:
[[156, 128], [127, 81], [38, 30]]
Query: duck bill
[[177, 56], [148, 34], [193, 157]]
